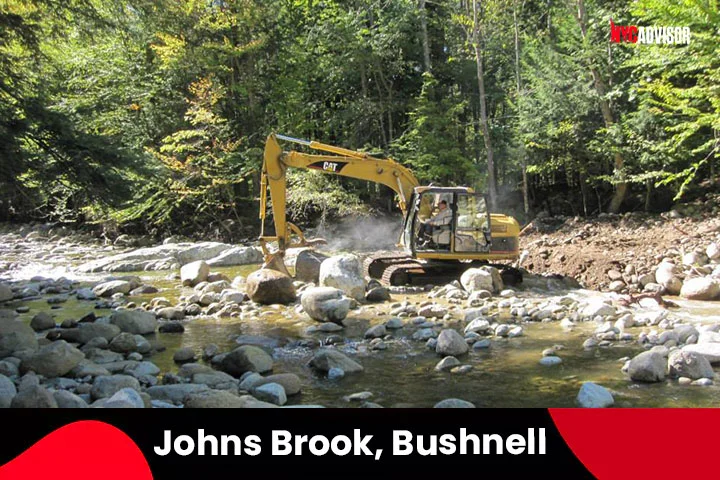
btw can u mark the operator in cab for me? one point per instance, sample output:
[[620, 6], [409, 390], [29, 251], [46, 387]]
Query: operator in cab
[[443, 217]]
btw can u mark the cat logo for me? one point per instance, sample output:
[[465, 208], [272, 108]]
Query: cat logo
[[331, 167]]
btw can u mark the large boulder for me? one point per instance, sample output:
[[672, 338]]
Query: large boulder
[[700, 288], [709, 350], [450, 343], [87, 331], [683, 363], [343, 272], [6, 292], [246, 358], [15, 336], [7, 391], [648, 367], [307, 265], [54, 360], [269, 286], [592, 395], [325, 304], [482, 278], [108, 289], [134, 321], [194, 273], [237, 256], [328, 358], [666, 275]]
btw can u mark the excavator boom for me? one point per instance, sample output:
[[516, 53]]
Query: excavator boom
[[344, 162]]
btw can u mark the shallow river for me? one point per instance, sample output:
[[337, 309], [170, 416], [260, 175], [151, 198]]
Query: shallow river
[[505, 375]]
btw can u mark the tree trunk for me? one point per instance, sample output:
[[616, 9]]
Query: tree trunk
[[523, 157], [424, 33], [492, 182], [620, 188]]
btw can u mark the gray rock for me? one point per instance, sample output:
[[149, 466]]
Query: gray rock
[[42, 321], [54, 360], [15, 336], [343, 272], [210, 351], [184, 355], [378, 331], [307, 265], [394, 323], [701, 288], [335, 373], [7, 391], [592, 395], [267, 287], [247, 358], [481, 344], [124, 398], [454, 403], [475, 279], [34, 396], [124, 343], [194, 273], [378, 294], [237, 256], [86, 368], [597, 308], [666, 275], [689, 364], [108, 289], [85, 332], [171, 313], [134, 321], [171, 327], [107, 386], [550, 361], [711, 351], [271, 392], [9, 369], [647, 367], [451, 343], [216, 380], [447, 363], [289, 381], [325, 304], [6, 292], [65, 399], [327, 358], [479, 325]]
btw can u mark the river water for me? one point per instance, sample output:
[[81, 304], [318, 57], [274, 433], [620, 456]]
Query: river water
[[508, 374]]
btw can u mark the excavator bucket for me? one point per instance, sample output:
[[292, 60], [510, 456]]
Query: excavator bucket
[[276, 261]]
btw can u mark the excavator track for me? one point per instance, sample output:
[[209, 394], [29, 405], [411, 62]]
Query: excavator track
[[396, 269]]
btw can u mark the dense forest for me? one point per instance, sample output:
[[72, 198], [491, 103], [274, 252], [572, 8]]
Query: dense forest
[[151, 115]]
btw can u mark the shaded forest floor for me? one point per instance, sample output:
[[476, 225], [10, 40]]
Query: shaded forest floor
[[633, 243]]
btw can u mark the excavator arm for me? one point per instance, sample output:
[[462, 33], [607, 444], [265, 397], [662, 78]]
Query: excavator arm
[[344, 162]]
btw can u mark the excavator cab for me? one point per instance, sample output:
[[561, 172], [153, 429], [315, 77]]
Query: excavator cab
[[458, 222]]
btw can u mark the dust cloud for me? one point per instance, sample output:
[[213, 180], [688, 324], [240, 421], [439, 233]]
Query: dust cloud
[[360, 234]]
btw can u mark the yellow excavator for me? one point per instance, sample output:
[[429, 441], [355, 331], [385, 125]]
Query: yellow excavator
[[446, 230]]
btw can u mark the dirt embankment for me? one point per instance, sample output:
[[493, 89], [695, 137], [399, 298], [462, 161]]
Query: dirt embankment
[[631, 245]]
